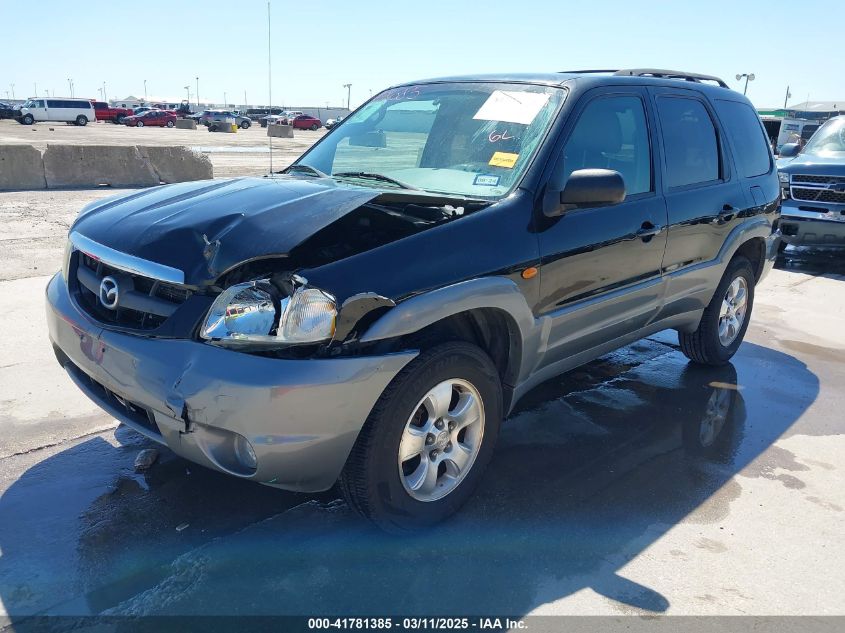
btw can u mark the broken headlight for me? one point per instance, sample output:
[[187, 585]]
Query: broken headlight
[[253, 312]]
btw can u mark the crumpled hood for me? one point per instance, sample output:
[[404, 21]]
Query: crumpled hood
[[206, 228]]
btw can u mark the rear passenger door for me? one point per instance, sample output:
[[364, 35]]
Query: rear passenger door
[[703, 194], [600, 273]]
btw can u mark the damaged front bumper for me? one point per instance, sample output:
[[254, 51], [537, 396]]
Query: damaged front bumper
[[301, 417]]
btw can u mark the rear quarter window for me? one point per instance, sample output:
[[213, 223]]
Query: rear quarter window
[[749, 140]]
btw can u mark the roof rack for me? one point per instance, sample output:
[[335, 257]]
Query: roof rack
[[670, 74], [652, 72]]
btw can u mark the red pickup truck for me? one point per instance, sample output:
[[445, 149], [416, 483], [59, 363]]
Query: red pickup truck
[[105, 112]]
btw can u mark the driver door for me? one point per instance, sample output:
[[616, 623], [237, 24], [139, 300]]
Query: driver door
[[601, 267]]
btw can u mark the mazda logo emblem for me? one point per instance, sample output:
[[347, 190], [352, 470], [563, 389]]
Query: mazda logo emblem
[[109, 293]]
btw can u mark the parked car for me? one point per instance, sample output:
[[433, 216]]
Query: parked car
[[160, 118], [305, 122], [210, 116], [105, 112], [373, 319], [330, 123], [7, 110], [813, 182], [142, 109], [76, 111]]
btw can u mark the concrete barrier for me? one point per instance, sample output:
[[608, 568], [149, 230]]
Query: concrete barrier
[[21, 167], [91, 166], [177, 164], [186, 124], [280, 131]]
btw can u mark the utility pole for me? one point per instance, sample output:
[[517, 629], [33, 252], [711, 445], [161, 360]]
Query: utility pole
[[748, 77], [145, 91], [348, 94], [105, 98], [198, 92], [225, 102], [70, 85], [35, 87], [13, 90], [245, 101], [787, 97]]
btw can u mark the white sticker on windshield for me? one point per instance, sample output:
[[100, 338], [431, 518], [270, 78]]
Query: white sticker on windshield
[[512, 106]]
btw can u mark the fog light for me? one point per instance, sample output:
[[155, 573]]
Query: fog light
[[245, 453]]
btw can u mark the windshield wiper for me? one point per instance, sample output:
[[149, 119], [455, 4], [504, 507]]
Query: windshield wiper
[[302, 167], [367, 175]]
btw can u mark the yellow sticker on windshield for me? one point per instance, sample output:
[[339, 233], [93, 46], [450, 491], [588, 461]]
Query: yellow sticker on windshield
[[503, 159]]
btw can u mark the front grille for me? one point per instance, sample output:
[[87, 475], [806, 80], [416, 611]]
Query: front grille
[[820, 180], [145, 303], [813, 188], [818, 195]]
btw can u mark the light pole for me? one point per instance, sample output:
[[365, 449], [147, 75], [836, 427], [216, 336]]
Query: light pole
[[786, 97], [13, 90], [145, 91], [748, 77], [198, 92], [105, 97], [188, 90], [245, 101], [70, 85], [225, 102], [35, 88], [348, 94]]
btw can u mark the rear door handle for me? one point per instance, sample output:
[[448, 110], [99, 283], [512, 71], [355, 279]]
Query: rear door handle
[[725, 215], [649, 230]]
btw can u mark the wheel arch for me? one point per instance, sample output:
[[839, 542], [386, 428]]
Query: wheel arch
[[489, 312]]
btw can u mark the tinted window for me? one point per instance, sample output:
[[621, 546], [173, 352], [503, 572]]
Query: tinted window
[[689, 140], [749, 141], [612, 133]]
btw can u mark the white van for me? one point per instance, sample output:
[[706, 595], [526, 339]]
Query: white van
[[76, 111]]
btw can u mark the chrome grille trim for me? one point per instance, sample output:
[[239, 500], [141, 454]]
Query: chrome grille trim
[[125, 262]]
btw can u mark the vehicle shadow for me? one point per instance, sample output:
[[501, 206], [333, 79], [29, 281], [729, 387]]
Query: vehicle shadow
[[826, 262], [591, 470]]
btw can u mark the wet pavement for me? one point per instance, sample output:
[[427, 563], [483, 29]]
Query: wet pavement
[[638, 483]]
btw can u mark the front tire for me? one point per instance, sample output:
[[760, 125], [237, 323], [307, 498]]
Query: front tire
[[82, 120], [139, 124], [170, 124], [28, 119], [427, 441], [245, 125], [725, 319], [315, 127]]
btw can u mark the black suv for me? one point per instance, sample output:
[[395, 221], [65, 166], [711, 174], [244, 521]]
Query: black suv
[[371, 315]]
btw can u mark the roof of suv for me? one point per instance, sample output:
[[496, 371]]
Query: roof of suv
[[654, 76]]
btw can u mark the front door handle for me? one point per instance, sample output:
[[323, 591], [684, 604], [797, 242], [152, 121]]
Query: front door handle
[[649, 230]]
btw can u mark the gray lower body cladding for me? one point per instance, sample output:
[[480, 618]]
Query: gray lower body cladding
[[300, 416]]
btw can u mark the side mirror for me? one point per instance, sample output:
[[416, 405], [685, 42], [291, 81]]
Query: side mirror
[[587, 188], [789, 150]]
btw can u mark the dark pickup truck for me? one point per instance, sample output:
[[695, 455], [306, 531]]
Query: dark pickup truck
[[371, 315]]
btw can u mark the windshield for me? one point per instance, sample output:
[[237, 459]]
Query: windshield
[[830, 137], [465, 139]]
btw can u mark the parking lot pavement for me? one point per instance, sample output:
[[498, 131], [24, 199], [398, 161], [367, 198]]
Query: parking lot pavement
[[245, 153], [636, 484]]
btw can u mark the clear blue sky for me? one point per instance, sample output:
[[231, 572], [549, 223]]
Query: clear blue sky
[[374, 44]]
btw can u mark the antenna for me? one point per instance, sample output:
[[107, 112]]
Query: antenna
[[270, 80]]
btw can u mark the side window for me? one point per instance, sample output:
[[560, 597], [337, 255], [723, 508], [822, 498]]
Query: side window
[[689, 140], [52, 104], [612, 133], [749, 139]]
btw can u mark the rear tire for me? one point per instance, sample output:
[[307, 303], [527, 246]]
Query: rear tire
[[452, 442], [722, 327], [82, 120], [315, 127], [119, 119]]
